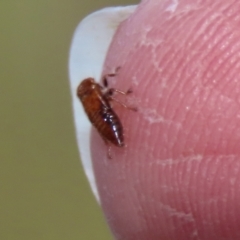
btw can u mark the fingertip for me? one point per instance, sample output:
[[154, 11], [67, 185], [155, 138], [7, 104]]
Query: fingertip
[[157, 187]]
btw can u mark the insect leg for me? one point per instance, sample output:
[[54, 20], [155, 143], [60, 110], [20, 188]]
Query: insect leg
[[108, 149], [123, 104], [105, 82], [105, 77], [111, 91], [109, 152], [114, 73]]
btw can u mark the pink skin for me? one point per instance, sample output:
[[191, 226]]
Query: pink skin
[[178, 177]]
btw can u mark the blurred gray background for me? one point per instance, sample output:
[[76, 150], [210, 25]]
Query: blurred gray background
[[43, 190]]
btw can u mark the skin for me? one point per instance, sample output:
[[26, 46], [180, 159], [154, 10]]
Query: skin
[[178, 177]]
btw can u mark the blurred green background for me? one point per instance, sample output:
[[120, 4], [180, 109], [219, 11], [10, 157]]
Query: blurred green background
[[43, 190]]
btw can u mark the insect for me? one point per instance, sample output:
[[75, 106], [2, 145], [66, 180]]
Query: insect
[[96, 103]]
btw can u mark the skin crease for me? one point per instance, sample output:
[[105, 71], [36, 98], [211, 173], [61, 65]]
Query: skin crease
[[178, 177]]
